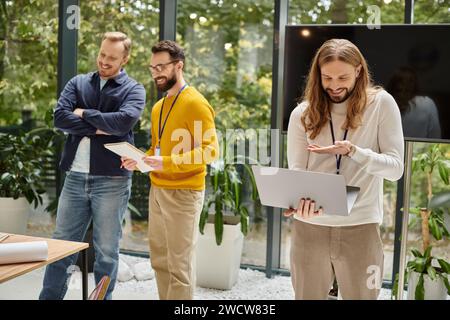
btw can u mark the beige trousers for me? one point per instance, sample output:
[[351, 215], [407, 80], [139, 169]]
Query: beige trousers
[[173, 233], [353, 254]]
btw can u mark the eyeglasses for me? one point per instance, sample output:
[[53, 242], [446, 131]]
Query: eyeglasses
[[160, 67]]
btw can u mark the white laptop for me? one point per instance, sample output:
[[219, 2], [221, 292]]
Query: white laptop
[[283, 188]]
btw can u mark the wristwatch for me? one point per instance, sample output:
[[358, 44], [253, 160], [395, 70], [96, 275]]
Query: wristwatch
[[352, 151]]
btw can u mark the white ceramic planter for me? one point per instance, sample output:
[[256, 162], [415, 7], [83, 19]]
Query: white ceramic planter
[[434, 290], [218, 266], [14, 215]]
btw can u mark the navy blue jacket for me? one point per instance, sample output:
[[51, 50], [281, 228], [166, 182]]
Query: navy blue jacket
[[115, 110]]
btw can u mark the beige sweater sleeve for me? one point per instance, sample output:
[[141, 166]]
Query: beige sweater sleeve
[[297, 154], [388, 162]]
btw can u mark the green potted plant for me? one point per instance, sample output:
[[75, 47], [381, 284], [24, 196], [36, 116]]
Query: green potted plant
[[223, 223], [426, 280], [226, 198], [21, 184], [428, 275]]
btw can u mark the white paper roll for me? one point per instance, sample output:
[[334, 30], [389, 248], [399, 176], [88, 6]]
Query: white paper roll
[[23, 252]]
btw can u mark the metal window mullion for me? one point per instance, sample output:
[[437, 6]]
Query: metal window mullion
[[274, 214]]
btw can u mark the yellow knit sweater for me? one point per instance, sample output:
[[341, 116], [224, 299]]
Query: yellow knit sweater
[[188, 143]]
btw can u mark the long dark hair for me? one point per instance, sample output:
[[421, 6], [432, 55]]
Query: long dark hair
[[316, 114]]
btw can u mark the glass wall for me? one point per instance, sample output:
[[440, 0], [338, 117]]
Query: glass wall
[[427, 181], [344, 11], [430, 160], [431, 11], [28, 81], [139, 19], [229, 60]]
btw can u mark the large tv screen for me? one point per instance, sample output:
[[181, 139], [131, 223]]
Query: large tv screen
[[412, 62]]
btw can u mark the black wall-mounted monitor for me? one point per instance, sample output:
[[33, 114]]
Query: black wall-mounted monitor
[[412, 62]]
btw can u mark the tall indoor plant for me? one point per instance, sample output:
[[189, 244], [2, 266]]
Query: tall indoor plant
[[425, 270], [223, 223]]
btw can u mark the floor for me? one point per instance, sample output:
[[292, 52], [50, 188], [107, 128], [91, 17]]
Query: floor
[[251, 284]]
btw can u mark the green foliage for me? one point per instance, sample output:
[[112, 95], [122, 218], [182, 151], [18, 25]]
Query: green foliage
[[234, 74], [228, 45], [28, 58], [139, 19], [394, 291], [431, 11], [423, 264], [343, 11], [29, 49], [21, 164], [430, 158], [29, 35], [226, 181], [433, 157]]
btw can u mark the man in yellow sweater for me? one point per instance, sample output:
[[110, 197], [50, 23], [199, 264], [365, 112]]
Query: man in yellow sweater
[[184, 140]]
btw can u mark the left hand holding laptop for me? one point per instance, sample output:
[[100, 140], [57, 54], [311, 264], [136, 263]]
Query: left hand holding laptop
[[306, 209]]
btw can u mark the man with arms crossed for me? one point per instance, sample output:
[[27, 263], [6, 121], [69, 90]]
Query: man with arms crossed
[[95, 108]]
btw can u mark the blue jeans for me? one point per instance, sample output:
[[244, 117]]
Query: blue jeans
[[86, 198]]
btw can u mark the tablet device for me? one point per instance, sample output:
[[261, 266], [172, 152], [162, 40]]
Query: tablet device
[[125, 149]]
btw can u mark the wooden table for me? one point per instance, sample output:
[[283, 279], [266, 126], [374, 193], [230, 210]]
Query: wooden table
[[57, 250]]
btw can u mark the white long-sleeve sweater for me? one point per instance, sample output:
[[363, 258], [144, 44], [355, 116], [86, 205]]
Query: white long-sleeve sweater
[[378, 155]]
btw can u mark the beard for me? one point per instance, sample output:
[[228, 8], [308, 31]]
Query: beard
[[347, 92], [168, 84]]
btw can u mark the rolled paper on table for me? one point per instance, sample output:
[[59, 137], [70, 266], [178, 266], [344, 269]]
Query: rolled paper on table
[[23, 252]]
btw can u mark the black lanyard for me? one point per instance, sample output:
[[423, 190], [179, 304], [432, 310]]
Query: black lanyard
[[338, 158], [161, 130]]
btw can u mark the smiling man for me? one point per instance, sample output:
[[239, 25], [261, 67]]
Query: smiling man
[[338, 80], [93, 109], [184, 140], [344, 125]]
